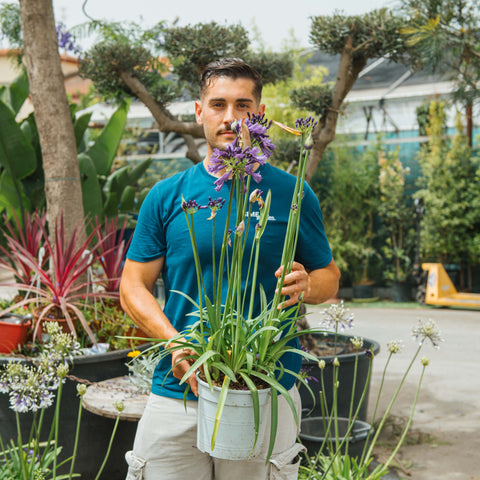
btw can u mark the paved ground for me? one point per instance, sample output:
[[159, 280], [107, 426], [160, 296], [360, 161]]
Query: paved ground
[[445, 433]]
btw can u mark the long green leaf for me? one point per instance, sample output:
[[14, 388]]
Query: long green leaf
[[17, 155], [80, 127], [105, 148], [221, 404], [15, 94], [91, 191]]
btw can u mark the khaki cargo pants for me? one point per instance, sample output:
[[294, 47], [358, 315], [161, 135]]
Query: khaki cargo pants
[[164, 447]]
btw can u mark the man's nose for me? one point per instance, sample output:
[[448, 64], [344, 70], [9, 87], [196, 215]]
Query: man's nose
[[229, 116]]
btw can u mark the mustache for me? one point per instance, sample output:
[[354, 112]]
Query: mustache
[[225, 130]]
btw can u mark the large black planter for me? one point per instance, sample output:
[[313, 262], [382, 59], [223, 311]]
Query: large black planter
[[401, 292], [313, 436], [95, 431], [345, 378]]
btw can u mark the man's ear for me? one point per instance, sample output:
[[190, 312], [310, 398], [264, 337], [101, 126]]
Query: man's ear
[[198, 112], [261, 109]]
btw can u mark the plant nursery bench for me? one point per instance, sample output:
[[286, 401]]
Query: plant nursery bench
[[100, 399]]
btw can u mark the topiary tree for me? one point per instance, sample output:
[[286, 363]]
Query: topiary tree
[[126, 63], [445, 35], [355, 39]]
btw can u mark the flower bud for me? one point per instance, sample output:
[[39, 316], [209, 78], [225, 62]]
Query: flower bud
[[62, 370], [119, 406], [321, 364], [336, 362], [81, 389], [425, 361]]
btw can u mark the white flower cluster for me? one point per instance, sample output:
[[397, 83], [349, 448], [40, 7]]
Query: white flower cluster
[[337, 317], [31, 386], [427, 329]]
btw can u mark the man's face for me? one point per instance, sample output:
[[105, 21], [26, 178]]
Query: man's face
[[224, 101]]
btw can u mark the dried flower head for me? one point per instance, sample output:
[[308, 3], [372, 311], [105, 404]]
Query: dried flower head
[[394, 346], [336, 317], [427, 329]]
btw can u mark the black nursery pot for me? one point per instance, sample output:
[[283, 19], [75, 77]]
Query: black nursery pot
[[313, 436], [95, 431], [311, 408]]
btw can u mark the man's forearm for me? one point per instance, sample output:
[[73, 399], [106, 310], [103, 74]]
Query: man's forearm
[[322, 284]]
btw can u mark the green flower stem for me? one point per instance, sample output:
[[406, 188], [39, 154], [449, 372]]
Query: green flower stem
[[21, 456], [254, 278], [407, 426], [198, 266], [56, 421], [75, 444], [390, 405], [374, 416], [117, 420]]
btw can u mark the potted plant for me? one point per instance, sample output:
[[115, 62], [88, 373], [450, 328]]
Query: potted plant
[[342, 447], [330, 347], [77, 286], [235, 349], [396, 218], [349, 210], [31, 388]]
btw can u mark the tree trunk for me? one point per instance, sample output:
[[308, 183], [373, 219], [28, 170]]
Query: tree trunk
[[324, 133], [52, 114]]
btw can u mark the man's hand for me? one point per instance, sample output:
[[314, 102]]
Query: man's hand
[[295, 284], [181, 364]]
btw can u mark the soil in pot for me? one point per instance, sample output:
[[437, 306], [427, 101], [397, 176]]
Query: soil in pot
[[346, 356]]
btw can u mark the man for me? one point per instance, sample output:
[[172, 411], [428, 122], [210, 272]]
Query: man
[[164, 444]]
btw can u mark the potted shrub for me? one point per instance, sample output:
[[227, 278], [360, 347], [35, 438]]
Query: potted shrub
[[397, 220], [349, 211]]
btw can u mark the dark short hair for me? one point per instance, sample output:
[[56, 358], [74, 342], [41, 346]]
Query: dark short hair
[[232, 68]]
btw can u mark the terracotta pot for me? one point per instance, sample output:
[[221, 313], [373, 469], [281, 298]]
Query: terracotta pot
[[41, 331], [13, 332]]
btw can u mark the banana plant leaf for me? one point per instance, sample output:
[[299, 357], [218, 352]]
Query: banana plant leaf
[[105, 148]]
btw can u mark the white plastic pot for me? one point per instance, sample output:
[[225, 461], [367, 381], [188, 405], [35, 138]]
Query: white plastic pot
[[236, 434]]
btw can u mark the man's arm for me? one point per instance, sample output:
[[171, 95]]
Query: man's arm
[[317, 286], [136, 296]]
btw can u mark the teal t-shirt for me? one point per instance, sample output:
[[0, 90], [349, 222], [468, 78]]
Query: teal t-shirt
[[162, 231]]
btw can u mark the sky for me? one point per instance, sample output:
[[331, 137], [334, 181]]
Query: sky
[[275, 20]]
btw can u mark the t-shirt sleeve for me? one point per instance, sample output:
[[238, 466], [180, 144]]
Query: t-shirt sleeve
[[313, 249], [148, 242]]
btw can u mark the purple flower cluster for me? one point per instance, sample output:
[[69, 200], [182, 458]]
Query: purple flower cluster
[[191, 206], [236, 161], [305, 125], [66, 40]]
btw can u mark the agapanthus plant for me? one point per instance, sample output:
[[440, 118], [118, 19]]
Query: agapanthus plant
[[33, 387], [232, 342], [333, 460]]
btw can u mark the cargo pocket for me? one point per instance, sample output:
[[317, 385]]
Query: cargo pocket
[[285, 465], [135, 466]]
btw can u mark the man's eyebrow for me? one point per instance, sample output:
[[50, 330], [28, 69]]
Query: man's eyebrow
[[221, 99]]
